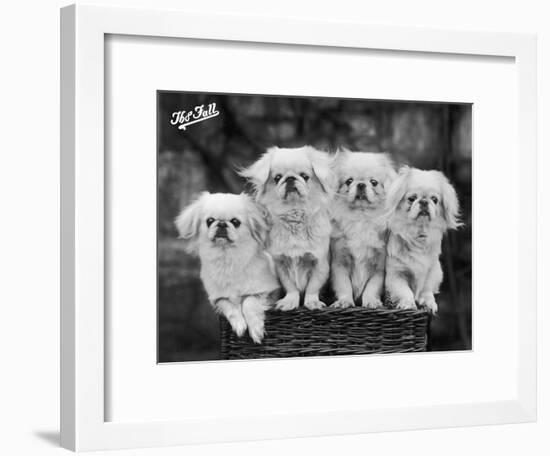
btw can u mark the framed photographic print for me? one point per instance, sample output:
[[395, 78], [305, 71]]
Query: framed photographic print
[[258, 213]]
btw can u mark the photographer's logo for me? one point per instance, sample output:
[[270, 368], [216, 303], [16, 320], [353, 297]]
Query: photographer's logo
[[199, 113]]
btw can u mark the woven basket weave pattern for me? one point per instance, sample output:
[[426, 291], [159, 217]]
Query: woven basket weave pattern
[[328, 332]]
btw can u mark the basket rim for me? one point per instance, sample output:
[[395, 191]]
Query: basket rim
[[355, 309]]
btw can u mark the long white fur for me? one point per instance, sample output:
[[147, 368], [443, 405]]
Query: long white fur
[[413, 270], [300, 226], [358, 246], [237, 273]]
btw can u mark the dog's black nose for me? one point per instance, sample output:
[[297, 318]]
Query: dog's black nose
[[423, 203], [361, 186], [290, 184], [222, 224]]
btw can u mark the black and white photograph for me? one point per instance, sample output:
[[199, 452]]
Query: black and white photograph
[[309, 226], [267, 228]]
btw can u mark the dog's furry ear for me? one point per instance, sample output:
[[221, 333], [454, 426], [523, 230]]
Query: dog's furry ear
[[397, 189], [449, 202], [188, 223], [258, 172], [338, 158], [256, 220], [321, 165], [391, 175]]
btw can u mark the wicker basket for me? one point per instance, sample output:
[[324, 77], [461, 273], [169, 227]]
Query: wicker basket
[[328, 332]]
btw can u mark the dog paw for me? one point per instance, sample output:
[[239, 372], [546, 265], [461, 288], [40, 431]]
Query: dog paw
[[256, 332], [406, 304], [238, 323], [289, 302], [342, 303], [312, 302], [371, 302], [428, 302]]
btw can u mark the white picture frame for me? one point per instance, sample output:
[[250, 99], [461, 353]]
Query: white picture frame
[[83, 396]]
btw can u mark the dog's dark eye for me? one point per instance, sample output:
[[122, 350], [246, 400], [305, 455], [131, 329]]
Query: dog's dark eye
[[349, 181], [209, 221], [374, 182], [277, 178], [304, 176], [435, 200], [235, 222], [411, 198]]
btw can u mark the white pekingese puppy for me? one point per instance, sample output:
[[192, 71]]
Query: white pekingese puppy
[[228, 232], [358, 246], [296, 186], [422, 206]]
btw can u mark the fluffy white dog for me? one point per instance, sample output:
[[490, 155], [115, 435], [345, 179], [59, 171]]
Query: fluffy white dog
[[296, 186], [228, 232], [422, 205], [358, 246]]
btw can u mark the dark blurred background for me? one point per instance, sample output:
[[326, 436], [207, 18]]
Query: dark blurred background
[[204, 157]]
